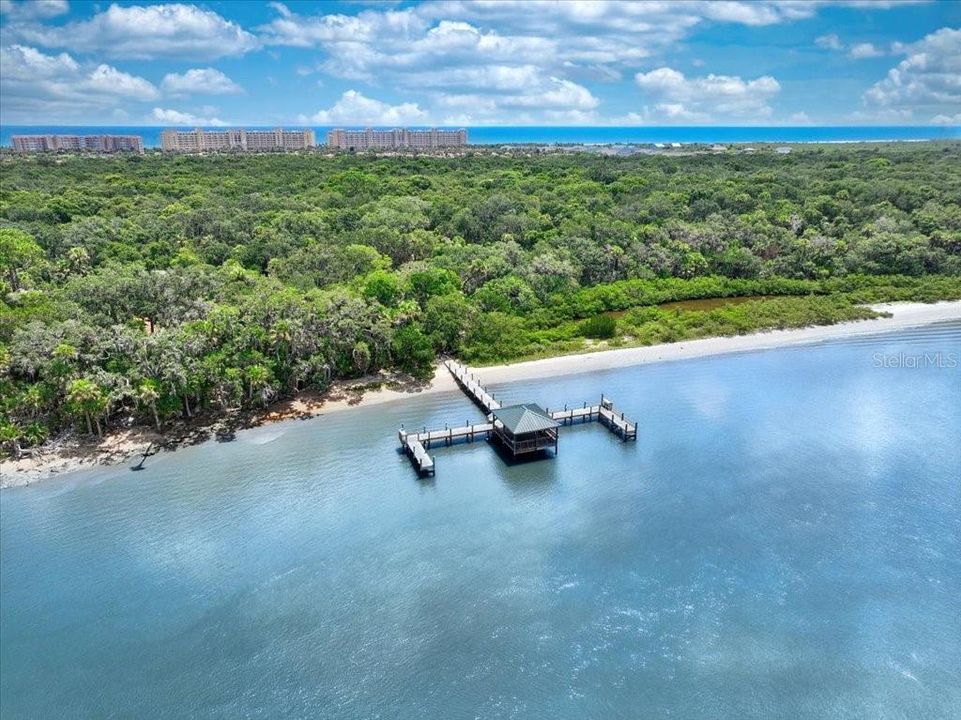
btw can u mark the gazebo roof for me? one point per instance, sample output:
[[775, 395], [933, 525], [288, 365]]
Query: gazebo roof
[[523, 419]]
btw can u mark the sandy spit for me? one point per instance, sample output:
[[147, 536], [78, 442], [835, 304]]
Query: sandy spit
[[72, 454]]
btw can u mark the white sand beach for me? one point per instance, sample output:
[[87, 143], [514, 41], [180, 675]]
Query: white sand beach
[[122, 445], [903, 315]]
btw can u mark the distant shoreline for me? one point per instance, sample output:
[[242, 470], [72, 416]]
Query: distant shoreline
[[563, 135], [124, 445]]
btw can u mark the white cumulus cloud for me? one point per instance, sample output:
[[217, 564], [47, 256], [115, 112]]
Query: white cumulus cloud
[[176, 117], [947, 119], [829, 42], [353, 108], [856, 51], [668, 113], [514, 60], [672, 97], [20, 62], [558, 94], [552, 100], [111, 81], [200, 81], [859, 51], [22, 9], [927, 80], [57, 87], [147, 32]]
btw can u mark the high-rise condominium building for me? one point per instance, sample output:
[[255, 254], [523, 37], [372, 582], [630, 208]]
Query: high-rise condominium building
[[370, 138], [78, 143], [244, 140]]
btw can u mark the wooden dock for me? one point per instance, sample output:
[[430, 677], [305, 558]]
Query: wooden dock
[[451, 435], [417, 453], [587, 413], [417, 444], [605, 413], [616, 422], [470, 385]]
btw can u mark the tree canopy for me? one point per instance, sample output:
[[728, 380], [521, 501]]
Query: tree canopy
[[150, 288]]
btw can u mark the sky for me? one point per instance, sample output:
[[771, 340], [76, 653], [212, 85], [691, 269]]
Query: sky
[[462, 63]]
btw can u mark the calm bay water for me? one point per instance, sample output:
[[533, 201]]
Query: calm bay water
[[594, 134], [783, 541]]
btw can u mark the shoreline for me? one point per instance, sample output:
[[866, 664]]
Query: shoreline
[[70, 454], [903, 315]]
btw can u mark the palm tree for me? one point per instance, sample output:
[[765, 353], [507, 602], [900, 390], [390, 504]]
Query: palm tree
[[86, 398], [281, 337], [172, 362], [232, 388], [10, 433], [64, 356], [36, 433], [33, 400], [78, 260], [148, 394], [361, 356], [258, 378]]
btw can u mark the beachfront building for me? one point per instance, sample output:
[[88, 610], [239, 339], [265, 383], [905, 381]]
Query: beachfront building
[[194, 141], [399, 138], [77, 143]]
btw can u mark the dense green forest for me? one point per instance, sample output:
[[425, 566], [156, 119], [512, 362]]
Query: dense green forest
[[157, 287]]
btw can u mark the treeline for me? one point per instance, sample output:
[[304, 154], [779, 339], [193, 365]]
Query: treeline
[[148, 289], [773, 303]]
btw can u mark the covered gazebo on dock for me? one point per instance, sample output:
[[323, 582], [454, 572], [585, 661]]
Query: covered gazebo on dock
[[521, 429], [525, 428]]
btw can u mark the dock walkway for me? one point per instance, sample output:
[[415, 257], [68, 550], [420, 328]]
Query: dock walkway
[[451, 435], [470, 385], [605, 413], [616, 422], [417, 453], [417, 444]]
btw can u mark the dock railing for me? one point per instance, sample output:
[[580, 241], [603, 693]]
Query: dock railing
[[470, 385]]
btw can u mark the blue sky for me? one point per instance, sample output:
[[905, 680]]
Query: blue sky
[[505, 62]]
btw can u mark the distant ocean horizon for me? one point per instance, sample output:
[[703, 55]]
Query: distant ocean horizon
[[495, 135]]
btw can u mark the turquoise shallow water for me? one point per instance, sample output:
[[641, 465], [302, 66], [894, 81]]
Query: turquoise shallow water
[[783, 541]]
